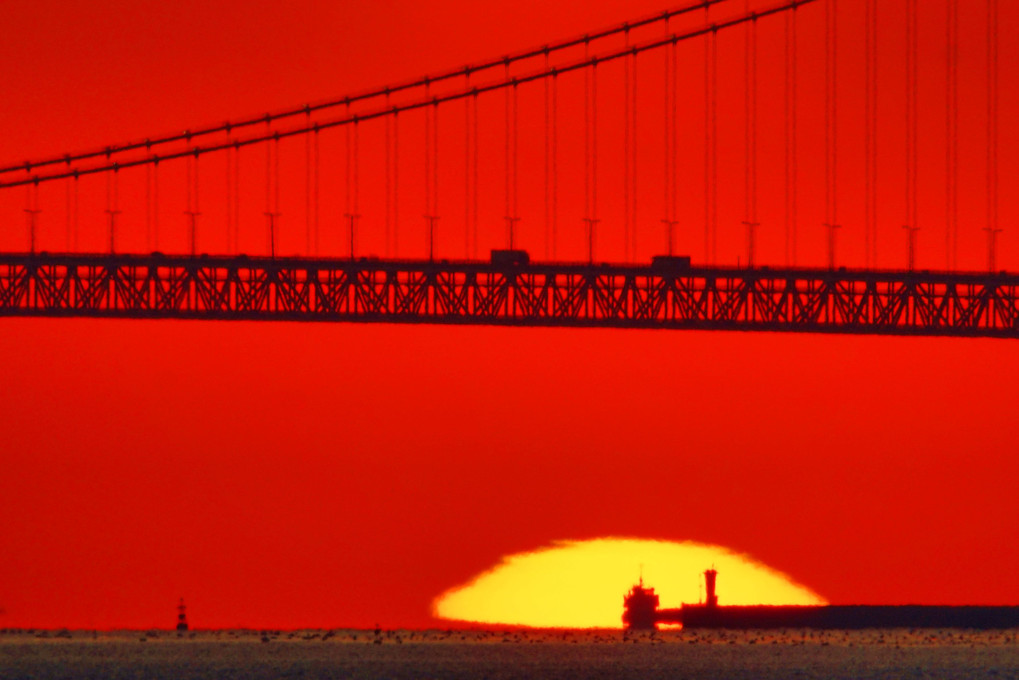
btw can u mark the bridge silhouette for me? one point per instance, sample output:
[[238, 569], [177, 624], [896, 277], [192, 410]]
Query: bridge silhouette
[[328, 261]]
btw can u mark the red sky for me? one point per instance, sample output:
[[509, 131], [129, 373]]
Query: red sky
[[282, 475]]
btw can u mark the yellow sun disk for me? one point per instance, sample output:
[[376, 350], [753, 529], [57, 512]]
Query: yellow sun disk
[[580, 584]]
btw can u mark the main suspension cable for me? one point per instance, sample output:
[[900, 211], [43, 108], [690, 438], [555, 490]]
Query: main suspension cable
[[355, 98], [420, 104]]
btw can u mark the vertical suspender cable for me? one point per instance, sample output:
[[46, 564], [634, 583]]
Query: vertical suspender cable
[[868, 132], [992, 134], [555, 163], [197, 187], [753, 142], [231, 247], [831, 128], [948, 135], [835, 113], [794, 140], [353, 183], [714, 145], [594, 158], [911, 115], [431, 170], [633, 157], [667, 146], [467, 167], [236, 197], [591, 150], [915, 78], [31, 212], [827, 123], [315, 191], [474, 197], [874, 90], [994, 117], [67, 215], [435, 176], [747, 172], [395, 184], [508, 190], [75, 220], [272, 195], [516, 162], [750, 133], [307, 185], [109, 210], [155, 205], [626, 151], [189, 212], [116, 207], [912, 140], [994, 107], [268, 195], [29, 219], [194, 218], [916, 118], [428, 172], [548, 160], [349, 184], [35, 206], [787, 110], [707, 139], [276, 198], [389, 179], [827, 132], [587, 141], [674, 170], [230, 189], [148, 204], [112, 203], [357, 187], [952, 134]]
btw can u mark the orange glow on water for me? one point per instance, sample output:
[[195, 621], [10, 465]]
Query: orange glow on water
[[580, 584]]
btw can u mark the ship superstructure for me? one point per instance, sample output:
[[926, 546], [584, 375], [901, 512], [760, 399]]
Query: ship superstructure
[[640, 607]]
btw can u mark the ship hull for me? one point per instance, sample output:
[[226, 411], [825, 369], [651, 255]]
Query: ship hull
[[849, 617]]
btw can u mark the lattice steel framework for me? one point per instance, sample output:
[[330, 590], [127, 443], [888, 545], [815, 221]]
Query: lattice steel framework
[[508, 294]]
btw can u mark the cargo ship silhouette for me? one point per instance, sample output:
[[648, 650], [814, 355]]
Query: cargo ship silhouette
[[641, 611]]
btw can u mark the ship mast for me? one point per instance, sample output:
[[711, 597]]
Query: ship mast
[[182, 616]]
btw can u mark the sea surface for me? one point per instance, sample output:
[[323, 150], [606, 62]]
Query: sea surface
[[425, 655]]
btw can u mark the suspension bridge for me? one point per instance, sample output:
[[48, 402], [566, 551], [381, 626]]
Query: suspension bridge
[[632, 177]]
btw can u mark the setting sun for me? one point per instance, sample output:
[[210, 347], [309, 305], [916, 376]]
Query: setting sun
[[580, 584]]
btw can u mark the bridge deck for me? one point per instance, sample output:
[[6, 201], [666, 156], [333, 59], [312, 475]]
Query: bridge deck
[[670, 296]]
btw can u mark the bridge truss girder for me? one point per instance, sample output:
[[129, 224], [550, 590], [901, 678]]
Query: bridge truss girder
[[540, 294]]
